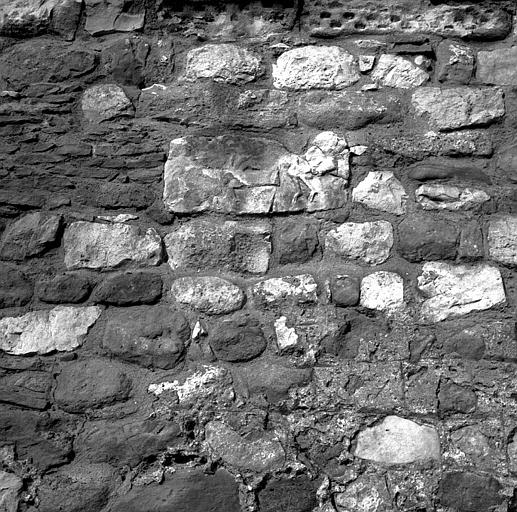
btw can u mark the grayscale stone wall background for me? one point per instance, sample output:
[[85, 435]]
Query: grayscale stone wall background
[[258, 257]]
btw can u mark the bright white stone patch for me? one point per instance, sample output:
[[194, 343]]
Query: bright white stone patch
[[286, 337], [382, 191], [502, 239], [449, 197], [396, 71], [315, 67], [398, 441], [455, 290], [104, 102], [62, 328], [383, 291], [300, 288]]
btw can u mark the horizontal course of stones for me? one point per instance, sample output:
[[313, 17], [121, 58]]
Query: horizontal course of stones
[[258, 257]]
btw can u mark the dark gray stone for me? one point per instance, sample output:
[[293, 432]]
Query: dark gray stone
[[129, 288]]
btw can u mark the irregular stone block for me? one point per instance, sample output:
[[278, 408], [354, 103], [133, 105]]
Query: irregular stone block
[[369, 242], [397, 440], [361, 493], [502, 239], [279, 291], [507, 162], [315, 67], [10, 488], [294, 240], [129, 288], [62, 288], [15, 288], [455, 290], [107, 16], [204, 245], [383, 291], [26, 389], [444, 168], [455, 398], [92, 383], [449, 197], [62, 328], [210, 295], [455, 62], [293, 495], [382, 191], [399, 72], [222, 63], [459, 107], [345, 290], [263, 454], [99, 246], [498, 66], [29, 236], [286, 337], [105, 102], [471, 242]]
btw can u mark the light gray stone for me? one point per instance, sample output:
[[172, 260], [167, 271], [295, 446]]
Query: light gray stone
[[286, 337], [105, 102], [399, 72], [222, 63], [107, 16], [10, 487], [298, 289], [397, 440], [449, 197], [383, 291], [455, 290], [369, 242], [62, 328], [95, 245], [315, 67], [458, 107], [498, 66], [211, 295], [502, 239], [260, 455], [382, 191]]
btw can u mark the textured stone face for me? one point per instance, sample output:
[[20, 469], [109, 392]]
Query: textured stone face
[[315, 67], [502, 239], [498, 66], [396, 71], [107, 16], [449, 197], [129, 288], [298, 289], [383, 291], [369, 242], [40, 332], [398, 441], [455, 290], [15, 288], [459, 107], [10, 487], [455, 62], [105, 102], [382, 191], [95, 245], [222, 63]]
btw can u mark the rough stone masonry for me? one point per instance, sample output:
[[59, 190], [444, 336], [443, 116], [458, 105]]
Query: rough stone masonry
[[258, 256]]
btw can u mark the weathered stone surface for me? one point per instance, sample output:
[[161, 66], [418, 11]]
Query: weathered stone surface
[[455, 62], [15, 288], [238, 339], [26, 389], [498, 66], [502, 239], [365, 494], [95, 245], [187, 490], [469, 492], [458, 107], [449, 197], [73, 288], [107, 16], [506, 162], [315, 67], [105, 102], [129, 288], [345, 290], [151, 336], [10, 487], [294, 240], [296, 495], [31, 235], [382, 191], [455, 398], [286, 336], [471, 242], [397, 71], [278, 291], [204, 245], [424, 238], [447, 169], [262, 454], [397, 440], [383, 291], [91, 383], [62, 328], [455, 290], [222, 63], [369, 242]]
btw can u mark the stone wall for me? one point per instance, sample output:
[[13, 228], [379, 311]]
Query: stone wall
[[258, 257]]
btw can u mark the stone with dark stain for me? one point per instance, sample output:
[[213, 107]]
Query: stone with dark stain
[[345, 290], [296, 495], [454, 398], [294, 241], [129, 288], [64, 288], [15, 288], [26, 389], [443, 169]]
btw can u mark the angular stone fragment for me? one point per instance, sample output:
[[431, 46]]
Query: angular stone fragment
[[129, 288], [107, 16], [446, 169], [293, 495], [459, 107], [471, 242], [397, 440], [369, 242], [383, 291], [345, 290], [315, 67], [449, 197], [506, 162], [62, 288], [455, 398], [100, 246], [211, 295], [294, 240], [455, 62], [105, 102], [10, 488], [382, 191], [26, 389], [455, 290], [498, 66], [222, 63], [298, 289], [502, 239], [31, 235], [204, 245], [15, 288], [62, 328], [399, 72], [286, 337], [262, 454]]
